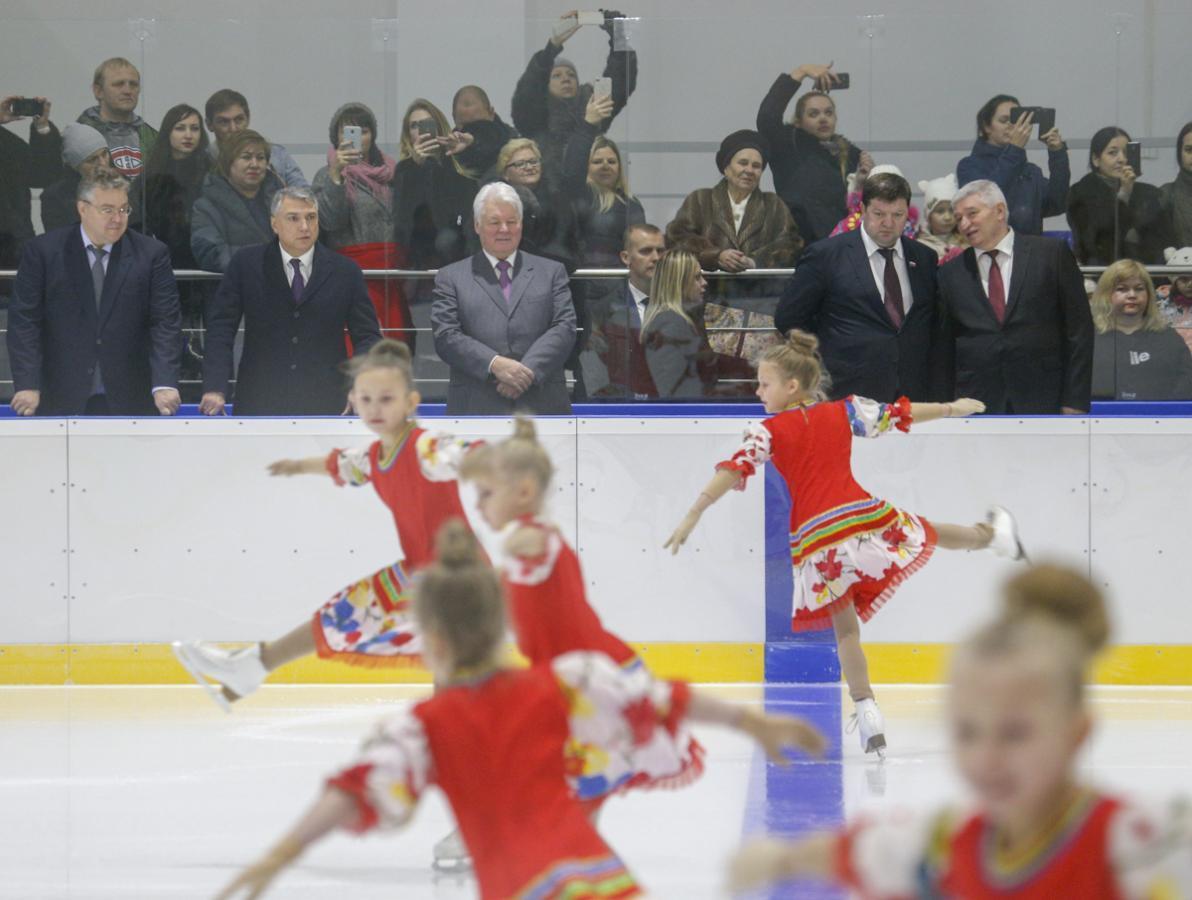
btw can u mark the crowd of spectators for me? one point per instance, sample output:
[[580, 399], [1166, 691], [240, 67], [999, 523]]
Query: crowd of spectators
[[925, 301]]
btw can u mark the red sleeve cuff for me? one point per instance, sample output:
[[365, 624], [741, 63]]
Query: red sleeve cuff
[[903, 419], [332, 466], [738, 464], [353, 782], [842, 858], [679, 706]]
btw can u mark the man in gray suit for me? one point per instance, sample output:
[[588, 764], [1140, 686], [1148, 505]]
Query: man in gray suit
[[503, 319]]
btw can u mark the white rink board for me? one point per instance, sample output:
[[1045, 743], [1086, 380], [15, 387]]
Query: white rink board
[[173, 529]]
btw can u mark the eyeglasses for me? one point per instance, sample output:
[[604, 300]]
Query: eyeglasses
[[525, 164], [110, 211]]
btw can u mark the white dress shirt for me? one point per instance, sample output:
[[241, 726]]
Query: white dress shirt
[[1005, 262], [738, 210], [492, 261], [305, 263], [639, 299], [877, 265]]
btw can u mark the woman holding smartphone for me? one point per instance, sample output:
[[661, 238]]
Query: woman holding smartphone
[[999, 155], [1112, 214], [355, 193]]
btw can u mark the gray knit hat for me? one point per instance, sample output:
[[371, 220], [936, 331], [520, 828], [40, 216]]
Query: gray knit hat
[[561, 62], [80, 141]]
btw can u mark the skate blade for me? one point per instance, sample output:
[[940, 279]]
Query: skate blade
[[453, 866], [877, 744], [214, 691]]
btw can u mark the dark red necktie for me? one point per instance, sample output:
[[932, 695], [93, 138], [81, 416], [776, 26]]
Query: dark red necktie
[[997, 289], [893, 298]]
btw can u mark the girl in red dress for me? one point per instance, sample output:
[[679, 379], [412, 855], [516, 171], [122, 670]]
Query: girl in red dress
[[368, 623], [1018, 721], [850, 550], [547, 601], [527, 831]]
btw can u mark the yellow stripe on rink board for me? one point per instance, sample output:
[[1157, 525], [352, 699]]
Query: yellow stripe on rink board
[[57, 664], [1138, 664]]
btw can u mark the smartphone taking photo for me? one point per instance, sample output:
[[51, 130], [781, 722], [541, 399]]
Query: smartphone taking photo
[[354, 135], [602, 86], [591, 17], [27, 107], [1134, 157], [841, 83], [427, 126], [1043, 116]]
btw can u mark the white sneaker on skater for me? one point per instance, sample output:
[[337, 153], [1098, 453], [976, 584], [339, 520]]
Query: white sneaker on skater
[[867, 719], [1005, 541], [451, 855], [239, 671]]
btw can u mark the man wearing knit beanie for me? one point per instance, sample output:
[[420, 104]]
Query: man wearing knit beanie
[[84, 154]]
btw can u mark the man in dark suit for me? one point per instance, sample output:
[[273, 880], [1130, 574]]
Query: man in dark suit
[[503, 319], [617, 318], [296, 298], [1015, 321], [870, 297], [95, 327]]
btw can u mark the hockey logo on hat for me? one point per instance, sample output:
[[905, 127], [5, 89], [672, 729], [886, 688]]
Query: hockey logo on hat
[[127, 160]]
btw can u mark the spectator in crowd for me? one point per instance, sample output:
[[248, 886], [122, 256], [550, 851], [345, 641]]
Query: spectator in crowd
[[999, 155], [36, 164], [1016, 329], [616, 318], [296, 298], [233, 207], [84, 154], [1136, 354], [116, 84], [503, 319], [1177, 194], [549, 102], [94, 326], [227, 113], [356, 195], [549, 228], [594, 177], [681, 363], [473, 114], [433, 189], [870, 296], [856, 209], [1112, 214], [174, 173], [811, 161], [737, 226], [937, 227]]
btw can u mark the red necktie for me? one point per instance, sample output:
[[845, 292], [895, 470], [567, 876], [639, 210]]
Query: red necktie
[[997, 290], [893, 298]]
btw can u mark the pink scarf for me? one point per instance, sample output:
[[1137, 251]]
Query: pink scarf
[[375, 179]]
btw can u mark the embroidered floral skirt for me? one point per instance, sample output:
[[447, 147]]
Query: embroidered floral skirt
[[370, 622], [855, 554]]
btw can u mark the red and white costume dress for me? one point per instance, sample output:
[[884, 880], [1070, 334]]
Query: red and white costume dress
[[500, 748], [1101, 849], [369, 623], [551, 616], [847, 547]]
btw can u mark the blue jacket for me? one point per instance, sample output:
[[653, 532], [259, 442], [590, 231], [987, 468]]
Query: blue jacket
[[57, 334], [1030, 196]]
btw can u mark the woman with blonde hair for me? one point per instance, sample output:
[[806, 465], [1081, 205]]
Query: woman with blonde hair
[[676, 345], [594, 177], [1136, 354]]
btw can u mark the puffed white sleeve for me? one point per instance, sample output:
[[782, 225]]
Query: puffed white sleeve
[[440, 454], [389, 774], [526, 569], [349, 466], [869, 419], [623, 722], [753, 452], [894, 855], [1150, 849]]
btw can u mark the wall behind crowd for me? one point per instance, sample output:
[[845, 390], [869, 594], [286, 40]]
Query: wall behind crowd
[[919, 69]]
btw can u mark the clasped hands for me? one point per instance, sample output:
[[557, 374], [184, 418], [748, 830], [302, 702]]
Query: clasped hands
[[513, 378]]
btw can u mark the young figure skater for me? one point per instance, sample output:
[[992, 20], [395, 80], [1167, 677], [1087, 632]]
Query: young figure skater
[[500, 744], [1018, 718], [544, 588], [413, 471], [850, 549]]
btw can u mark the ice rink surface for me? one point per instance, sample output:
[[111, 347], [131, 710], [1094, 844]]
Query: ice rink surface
[[152, 792]]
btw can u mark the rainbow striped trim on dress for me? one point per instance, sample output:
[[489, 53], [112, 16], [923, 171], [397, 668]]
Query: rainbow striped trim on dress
[[596, 878], [837, 525]]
